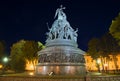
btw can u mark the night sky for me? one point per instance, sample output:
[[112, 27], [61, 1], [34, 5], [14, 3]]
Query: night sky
[[27, 19]]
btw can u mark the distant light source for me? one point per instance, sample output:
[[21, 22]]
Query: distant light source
[[98, 61], [31, 73], [105, 65], [1, 66], [5, 59]]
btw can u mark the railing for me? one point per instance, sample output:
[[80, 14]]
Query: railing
[[103, 78], [88, 78]]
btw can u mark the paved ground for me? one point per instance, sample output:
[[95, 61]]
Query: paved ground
[[31, 73]]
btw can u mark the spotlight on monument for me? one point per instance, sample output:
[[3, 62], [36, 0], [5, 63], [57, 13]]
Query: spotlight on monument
[[61, 56]]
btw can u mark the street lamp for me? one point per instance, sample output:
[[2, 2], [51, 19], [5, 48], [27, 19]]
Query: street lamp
[[5, 59]]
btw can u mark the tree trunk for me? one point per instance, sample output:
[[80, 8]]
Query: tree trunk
[[98, 65], [115, 62], [33, 64], [103, 70], [108, 60]]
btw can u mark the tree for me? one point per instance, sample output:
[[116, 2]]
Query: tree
[[23, 51], [115, 32], [93, 48], [17, 61], [93, 51], [103, 47], [18, 65], [115, 28], [2, 49], [2, 55], [111, 47], [107, 46], [30, 50], [40, 45]]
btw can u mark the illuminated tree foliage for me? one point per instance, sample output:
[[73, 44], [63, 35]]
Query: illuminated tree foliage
[[102, 48], [93, 48], [17, 61], [115, 28], [109, 46], [22, 51], [30, 50]]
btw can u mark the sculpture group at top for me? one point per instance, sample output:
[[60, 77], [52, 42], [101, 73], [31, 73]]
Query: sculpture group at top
[[61, 28]]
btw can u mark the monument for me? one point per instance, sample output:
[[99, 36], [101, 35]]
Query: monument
[[61, 55]]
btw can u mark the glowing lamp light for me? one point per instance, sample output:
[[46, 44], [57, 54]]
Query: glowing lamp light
[[1, 66], [5, 59], [31, 73], [98, 61]]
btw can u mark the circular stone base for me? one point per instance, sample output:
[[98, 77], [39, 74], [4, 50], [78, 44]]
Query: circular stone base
[[61, 69], [61, 42]]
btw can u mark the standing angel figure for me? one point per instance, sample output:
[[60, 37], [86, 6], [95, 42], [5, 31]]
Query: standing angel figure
[[60, 13]]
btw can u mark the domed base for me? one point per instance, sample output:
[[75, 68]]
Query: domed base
[[61, 42], [61, 54], [61, 69], [61, 57]]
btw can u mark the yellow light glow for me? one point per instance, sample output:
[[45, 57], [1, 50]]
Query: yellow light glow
[[30, 65], [105, 65], [31, 73], [109, 65], [1, 66], [98, 61]]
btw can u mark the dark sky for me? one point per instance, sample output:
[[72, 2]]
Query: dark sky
[[27, 19]]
